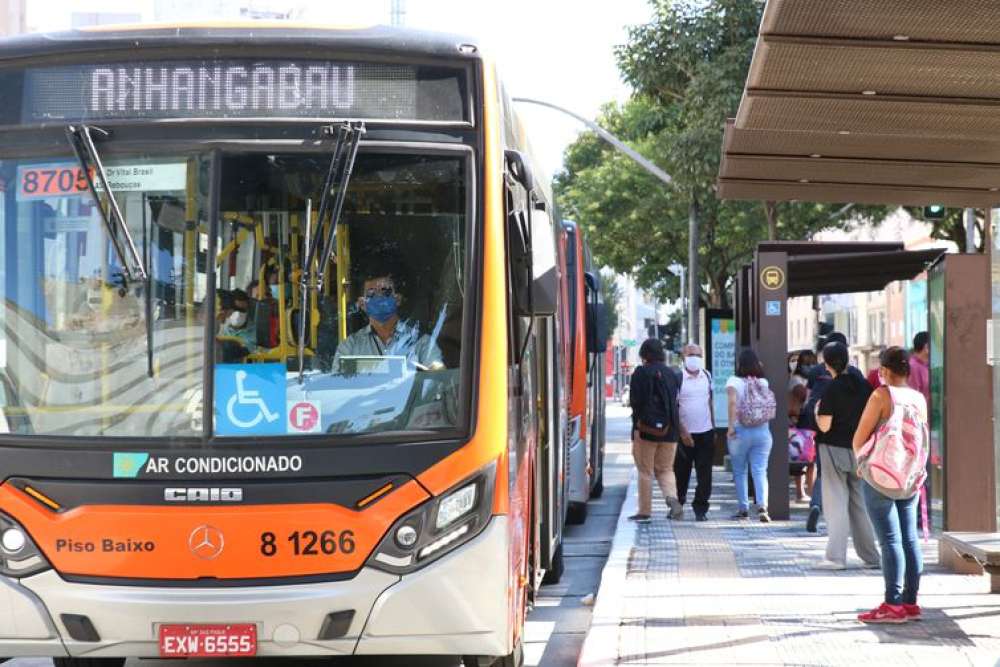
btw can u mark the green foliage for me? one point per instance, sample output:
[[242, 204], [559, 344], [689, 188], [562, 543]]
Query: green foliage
[[611, 296], [687, 67], [951, 227]]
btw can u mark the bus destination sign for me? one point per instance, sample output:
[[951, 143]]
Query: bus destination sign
[[242, 89]]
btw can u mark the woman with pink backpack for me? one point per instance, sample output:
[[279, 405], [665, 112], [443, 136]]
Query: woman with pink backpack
[[891, 444], [751, 408]]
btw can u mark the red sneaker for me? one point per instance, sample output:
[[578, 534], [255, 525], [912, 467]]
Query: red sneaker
[[913, 612], [885, 613]]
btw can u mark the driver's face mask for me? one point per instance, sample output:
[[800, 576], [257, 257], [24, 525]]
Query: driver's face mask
[[381, 302]]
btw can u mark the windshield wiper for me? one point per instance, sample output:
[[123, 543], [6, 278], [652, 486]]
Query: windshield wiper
[[90, 162], [134, 271], [345, 151]]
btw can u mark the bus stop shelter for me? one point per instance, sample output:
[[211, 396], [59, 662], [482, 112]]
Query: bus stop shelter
[[781, 270], [856, 101]]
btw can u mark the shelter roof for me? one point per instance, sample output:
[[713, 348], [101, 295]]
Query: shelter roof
[[874, 102], [816, 267]]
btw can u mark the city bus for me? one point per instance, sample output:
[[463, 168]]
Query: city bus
[[280, 351], [586, 342]]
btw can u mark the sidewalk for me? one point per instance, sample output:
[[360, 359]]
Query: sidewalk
[[724, 592]]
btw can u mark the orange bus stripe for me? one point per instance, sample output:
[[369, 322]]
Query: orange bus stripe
[[368, 500], [42, 498]]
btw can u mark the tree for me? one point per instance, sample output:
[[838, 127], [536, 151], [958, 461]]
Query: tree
[[951, 227], [611, 296], [687, 67]]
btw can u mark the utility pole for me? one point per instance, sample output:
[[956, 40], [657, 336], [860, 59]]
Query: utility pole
[[694, 288]]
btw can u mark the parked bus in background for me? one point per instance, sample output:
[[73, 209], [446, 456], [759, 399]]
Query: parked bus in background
[[596, 319], [280, 341], [586, 340]]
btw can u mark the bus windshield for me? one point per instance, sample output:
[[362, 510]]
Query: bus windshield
[[86, 353], [382, 333]]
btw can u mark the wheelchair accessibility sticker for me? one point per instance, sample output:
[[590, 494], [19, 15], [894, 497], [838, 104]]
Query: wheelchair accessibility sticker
[[250, 399]]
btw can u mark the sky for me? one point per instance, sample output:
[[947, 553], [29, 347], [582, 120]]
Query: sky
[[561, 51]]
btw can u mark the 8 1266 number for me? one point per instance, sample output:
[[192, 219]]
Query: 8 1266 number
[[310, 543]]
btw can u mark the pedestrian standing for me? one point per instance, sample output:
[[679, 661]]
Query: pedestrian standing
[[837, 417], [655, 429], [920, 372], [818, 379], [751, 408], [891, 443], [697, 418]]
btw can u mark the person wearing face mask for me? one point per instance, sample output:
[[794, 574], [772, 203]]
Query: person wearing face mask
[[234, 322], [386, 334], [697, 419]]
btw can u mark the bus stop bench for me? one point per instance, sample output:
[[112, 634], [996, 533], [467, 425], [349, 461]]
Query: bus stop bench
[[983, 549]]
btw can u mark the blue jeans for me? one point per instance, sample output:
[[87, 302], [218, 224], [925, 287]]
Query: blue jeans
[[816, 500], [895, 523], [750, 448]]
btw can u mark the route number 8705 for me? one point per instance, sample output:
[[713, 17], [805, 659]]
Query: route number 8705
[[310, 543]]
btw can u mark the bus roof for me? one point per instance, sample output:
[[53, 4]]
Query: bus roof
[[370, 39]]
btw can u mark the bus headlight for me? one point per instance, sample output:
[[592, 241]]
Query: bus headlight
[[438, 526], [19, 557], [455, 505]]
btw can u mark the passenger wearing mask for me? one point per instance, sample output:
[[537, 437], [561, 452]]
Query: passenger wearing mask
[[233, 319], [697, 419], [893, 511], [802, 432], [837, 417], [656, 428], [386, 334]]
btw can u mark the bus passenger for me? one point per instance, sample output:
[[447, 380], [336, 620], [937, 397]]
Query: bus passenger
[[233, 315], [385, 333]]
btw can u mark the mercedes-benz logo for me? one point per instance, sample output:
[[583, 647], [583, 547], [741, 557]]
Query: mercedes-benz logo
[[206, 542]]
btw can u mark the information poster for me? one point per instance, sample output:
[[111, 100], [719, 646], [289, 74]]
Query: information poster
[[722, 344]]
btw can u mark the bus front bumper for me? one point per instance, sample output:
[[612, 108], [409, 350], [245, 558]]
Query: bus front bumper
[[457, 605]]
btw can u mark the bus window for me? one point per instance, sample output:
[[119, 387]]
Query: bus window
[[75, 348], [381, 335]]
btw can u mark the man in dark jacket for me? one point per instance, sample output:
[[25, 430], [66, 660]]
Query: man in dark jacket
[[656, 428]]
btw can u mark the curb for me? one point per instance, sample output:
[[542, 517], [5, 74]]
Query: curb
[[600, 648]]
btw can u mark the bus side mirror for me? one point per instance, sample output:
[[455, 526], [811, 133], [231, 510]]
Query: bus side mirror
[[597, 315], [518, 168], [544, 272]]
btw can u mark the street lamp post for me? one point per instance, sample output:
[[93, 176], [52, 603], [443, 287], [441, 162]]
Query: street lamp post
[[678, 270], [691, 313]]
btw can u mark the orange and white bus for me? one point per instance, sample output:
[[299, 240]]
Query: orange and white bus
[[279, 358], [585, 345]]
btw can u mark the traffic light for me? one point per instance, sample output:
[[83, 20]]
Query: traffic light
[[934, 212]]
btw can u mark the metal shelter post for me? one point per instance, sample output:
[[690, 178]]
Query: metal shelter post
[[771, 345]]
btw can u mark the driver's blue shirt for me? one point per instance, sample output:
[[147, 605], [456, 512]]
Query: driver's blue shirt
[[406, 341]]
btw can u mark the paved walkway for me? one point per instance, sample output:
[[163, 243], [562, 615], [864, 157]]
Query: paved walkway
[[724, 592]]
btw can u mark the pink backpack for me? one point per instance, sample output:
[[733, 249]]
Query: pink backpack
[[894, 460], [757, 404]]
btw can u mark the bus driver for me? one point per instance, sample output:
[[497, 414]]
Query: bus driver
[[386, 333]]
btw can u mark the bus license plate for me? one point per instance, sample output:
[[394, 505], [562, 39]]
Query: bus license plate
[[208, 641]]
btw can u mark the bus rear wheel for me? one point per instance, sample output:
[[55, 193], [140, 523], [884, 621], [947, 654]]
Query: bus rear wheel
[[576, 513], [598, 489], [89, 662], [555, 572], [513, 659]]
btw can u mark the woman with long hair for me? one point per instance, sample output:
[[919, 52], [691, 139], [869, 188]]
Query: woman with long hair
[[749, 445], [895, 520]]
